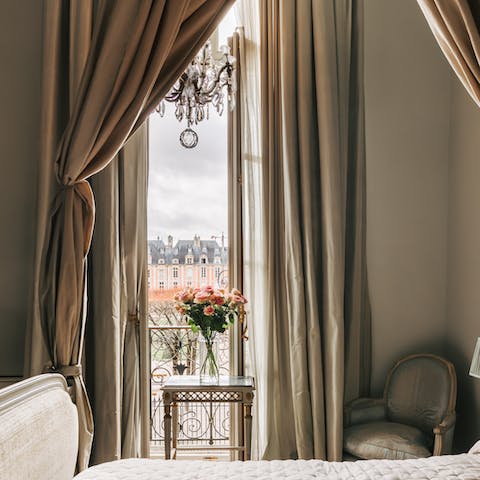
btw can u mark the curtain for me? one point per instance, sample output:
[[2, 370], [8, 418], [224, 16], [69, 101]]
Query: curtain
[[455, 25], [304, 228], [110, 62], [116, 291]]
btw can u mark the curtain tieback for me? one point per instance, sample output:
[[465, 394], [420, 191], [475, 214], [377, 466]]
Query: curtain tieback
[[133, 317], [70, 370]]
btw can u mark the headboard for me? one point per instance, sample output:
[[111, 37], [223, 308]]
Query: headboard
[[38, 430]]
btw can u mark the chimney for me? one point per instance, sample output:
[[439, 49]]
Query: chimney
[[170, 241], [196, 240]]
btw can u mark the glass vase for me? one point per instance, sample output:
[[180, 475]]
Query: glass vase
[[209, 373]]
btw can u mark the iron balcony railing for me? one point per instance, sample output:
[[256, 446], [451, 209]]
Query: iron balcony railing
[[174, 351]]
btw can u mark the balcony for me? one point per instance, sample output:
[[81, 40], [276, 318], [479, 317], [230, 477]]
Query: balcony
[[174, 351]]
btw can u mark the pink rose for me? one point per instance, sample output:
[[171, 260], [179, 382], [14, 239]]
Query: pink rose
[[202, 297], [219, 299], [186, 296], [208, 288], [180, 309], [209, 310], [238, 299]]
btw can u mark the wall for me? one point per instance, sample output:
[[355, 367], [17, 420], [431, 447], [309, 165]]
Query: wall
[[464, 260], [20, 57], [408, 84]]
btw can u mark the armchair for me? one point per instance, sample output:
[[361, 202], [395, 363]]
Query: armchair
[[414, 419]]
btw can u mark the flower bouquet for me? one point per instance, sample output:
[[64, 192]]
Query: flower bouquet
[[209, 311]]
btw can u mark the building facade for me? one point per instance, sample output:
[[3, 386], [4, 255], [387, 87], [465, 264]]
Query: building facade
[[187, 263]]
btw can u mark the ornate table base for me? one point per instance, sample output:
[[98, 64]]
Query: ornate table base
[[187, 388]]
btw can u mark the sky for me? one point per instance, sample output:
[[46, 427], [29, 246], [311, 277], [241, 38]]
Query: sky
[[187, 193], [187, 187]]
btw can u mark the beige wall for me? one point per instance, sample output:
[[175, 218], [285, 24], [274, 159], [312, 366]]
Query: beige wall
[[464, 259], [20, 57], [408, 85]]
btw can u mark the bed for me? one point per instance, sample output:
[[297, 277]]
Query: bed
[[38, 441]]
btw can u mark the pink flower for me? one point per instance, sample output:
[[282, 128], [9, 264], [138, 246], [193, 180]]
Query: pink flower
[[186, 296], [202, 297], [180, 309], [219, 299], [209, 310], [237, 299], [208, 288]]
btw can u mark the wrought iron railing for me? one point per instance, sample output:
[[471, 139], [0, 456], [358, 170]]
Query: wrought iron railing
[[174, 351]]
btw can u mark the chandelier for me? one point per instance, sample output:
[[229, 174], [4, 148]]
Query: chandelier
[[204, 82]]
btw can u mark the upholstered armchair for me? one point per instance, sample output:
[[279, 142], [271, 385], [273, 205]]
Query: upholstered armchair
[[414, 419]]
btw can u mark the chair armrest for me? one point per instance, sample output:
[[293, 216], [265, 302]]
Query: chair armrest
[[363, 410], [444, 435]]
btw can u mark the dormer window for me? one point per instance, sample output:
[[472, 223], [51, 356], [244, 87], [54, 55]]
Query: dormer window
[[175, 261], [189, 260], [203, 260], [161, 261]]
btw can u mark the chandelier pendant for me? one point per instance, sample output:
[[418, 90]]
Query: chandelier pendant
[[189, 138], [204, 82]]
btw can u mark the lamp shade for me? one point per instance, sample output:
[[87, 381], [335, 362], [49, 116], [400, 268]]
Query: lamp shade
[[475, 366]]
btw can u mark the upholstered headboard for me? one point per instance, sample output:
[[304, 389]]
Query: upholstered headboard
[[38, 430]]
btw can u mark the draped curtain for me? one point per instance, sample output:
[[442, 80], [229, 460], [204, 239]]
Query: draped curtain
[[117, 306], [456, 27], [304, 220], [106, 65]]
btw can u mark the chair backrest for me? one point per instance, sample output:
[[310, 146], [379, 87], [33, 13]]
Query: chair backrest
[[420, 390]]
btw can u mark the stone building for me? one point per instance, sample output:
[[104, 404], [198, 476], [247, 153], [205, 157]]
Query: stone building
[[187, 263]]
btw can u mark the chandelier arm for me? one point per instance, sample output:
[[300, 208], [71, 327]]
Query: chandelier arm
[[201, 84]]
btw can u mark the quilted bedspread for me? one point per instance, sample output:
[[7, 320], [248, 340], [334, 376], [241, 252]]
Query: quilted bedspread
[[449, 467]]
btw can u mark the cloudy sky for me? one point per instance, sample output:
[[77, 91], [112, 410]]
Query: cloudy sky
[[188, 187]]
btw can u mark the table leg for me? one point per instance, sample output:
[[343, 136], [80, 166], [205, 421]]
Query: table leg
[[174, 429], [167, 423], [248, 426]]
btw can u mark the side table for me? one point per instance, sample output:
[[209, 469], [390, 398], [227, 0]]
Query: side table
[[187, 388]]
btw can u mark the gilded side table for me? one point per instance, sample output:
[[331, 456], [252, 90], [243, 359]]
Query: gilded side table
[[187, 388]]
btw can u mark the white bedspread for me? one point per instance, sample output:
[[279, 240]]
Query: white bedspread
[[450, 467]]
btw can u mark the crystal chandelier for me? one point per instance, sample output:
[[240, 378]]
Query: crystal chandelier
[[203, 83]]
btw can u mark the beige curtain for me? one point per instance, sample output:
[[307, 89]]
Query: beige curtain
[[110, 62], [456, 25], [116, 287], [310, 341]]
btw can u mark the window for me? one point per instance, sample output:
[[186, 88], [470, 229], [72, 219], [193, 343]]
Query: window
[[186, 254]]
